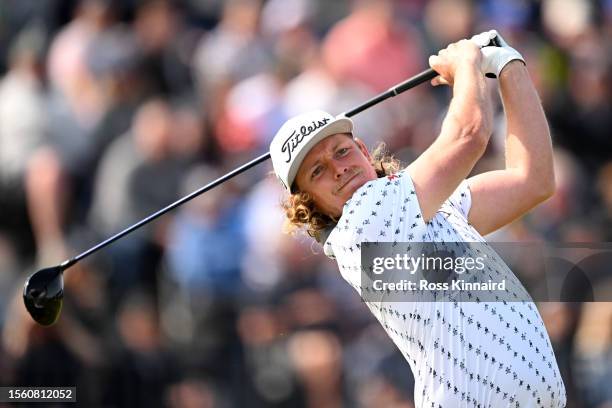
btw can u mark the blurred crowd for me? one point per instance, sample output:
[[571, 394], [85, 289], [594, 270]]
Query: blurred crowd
[[110, 110]]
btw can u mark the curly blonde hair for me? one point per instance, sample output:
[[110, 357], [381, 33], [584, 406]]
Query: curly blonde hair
[[301, 212]]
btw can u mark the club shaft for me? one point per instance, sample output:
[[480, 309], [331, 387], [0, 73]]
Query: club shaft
[[418, 79], [396, 90]]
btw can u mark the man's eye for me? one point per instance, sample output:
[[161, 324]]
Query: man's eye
[[316, 171], [342, 152]]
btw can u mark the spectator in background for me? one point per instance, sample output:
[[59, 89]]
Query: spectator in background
[[287, 26], [593, 360], [22, 130], [74, 107], [384, 51], [232, 51], [317, 357], [138, 174], [207, 241], [193, 393], [447, 21], [69, 75], [582, 117], [144, 370], [117, 70], [262, 250], [249, 113], [165, 44], [270, 378]]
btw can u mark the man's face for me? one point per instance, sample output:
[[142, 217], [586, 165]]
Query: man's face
[[333, 170]]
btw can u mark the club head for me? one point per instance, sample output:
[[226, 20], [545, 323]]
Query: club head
[[43, 295]]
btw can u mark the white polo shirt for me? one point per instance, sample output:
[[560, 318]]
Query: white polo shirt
[[462, 354]]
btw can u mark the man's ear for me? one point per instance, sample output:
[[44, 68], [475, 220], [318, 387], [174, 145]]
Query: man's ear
[[363, 148]]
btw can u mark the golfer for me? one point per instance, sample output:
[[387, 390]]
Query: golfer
[[466, 354]]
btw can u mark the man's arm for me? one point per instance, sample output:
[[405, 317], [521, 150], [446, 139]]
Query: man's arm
[[499, 197], [465, 131]]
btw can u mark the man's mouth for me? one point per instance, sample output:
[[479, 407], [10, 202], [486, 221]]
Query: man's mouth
[[347, 179]]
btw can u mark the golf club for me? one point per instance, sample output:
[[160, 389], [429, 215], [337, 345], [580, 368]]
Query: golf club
[[43, 291]]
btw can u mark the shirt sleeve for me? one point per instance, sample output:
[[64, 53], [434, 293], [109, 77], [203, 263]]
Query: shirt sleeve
[[461, 199]]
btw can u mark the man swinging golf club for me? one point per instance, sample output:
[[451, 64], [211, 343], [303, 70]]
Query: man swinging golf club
[[343, 195]]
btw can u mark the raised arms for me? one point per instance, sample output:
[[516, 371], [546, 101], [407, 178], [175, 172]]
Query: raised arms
[[465, 131]]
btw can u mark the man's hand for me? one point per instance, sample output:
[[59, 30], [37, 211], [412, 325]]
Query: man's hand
[[495, 58], [456, 56]]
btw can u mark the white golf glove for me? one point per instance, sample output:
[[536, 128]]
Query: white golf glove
[[495, 58]]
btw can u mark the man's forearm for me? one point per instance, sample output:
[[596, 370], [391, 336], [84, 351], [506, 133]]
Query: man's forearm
[[437, 172], [471, 106], [528, 143]]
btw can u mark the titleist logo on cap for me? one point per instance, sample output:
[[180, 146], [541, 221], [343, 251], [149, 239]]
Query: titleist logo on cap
[[294, 140]]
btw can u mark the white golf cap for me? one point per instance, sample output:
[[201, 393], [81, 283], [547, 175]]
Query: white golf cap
[[298, 136]]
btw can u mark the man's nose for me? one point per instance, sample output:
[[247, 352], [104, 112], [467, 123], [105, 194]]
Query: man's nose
[[339, 171]]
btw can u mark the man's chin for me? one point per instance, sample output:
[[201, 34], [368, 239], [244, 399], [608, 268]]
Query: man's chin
[[353, 185]]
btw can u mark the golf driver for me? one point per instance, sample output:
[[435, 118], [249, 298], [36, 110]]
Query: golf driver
[[43, 291]]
